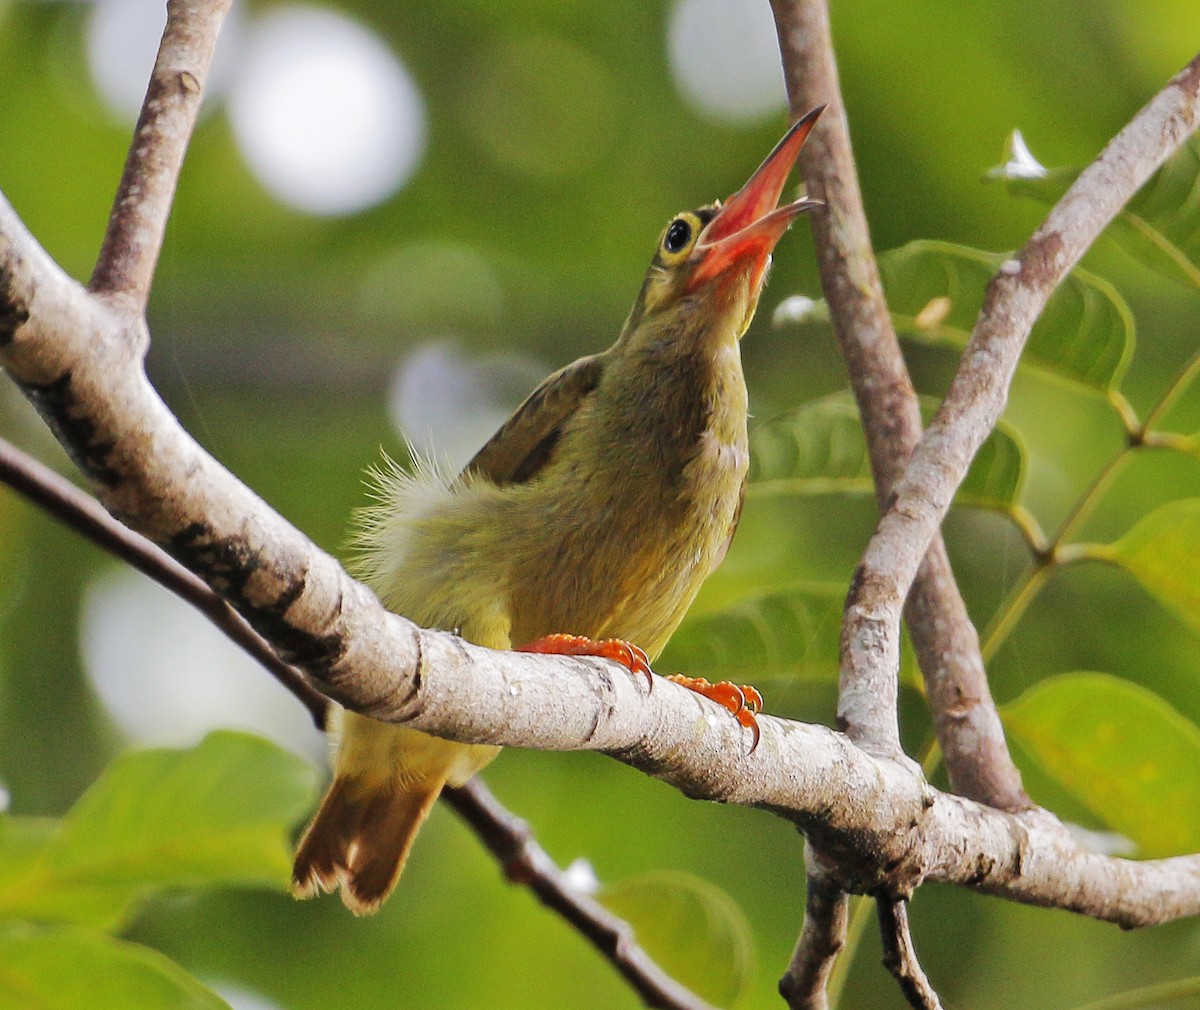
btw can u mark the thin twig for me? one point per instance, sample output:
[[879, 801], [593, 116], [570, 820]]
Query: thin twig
[[504, 834], [527, 863], [82, 513], [143, 202], [900, 957], [804, 985], [860, 913], [968, 725]]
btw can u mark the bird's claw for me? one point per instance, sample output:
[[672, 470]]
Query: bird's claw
[[625, 653], [744, 702]]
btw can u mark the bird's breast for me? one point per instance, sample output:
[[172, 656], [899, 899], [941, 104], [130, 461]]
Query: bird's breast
[[655, 485]]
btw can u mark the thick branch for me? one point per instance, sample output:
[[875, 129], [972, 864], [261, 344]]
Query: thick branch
[[143, 201], [968, 725], [977, 394]]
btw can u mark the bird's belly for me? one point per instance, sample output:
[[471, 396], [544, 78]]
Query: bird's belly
[[628, 565]]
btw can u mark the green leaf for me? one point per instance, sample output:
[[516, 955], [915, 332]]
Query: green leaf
[[693, 929], [782, 634], [820, 449], [218, 814], [1084, 335], [1124, 752], [1163, 553], [69, 968], [1160, 226]]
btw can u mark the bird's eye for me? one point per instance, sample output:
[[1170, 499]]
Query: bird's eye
[[679, 233]]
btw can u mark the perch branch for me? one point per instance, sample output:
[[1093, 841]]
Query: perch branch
[[505, 835]]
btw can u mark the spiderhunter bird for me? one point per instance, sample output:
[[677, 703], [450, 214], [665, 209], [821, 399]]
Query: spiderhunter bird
[[586, 524]]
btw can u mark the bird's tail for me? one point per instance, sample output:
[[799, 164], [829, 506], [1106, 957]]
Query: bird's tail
[[360, 839]]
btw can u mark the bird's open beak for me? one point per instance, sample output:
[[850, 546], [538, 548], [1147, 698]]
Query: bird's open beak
[[749, 223]]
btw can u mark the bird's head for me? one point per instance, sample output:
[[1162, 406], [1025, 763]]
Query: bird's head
[[711, 263]]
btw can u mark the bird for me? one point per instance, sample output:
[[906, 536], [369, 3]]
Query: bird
[[585, 526]]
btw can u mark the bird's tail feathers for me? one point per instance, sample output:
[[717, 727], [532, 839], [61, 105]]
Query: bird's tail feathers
[[359, 841]]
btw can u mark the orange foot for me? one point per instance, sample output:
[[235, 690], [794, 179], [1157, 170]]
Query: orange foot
[[625, 653], [744, 702]]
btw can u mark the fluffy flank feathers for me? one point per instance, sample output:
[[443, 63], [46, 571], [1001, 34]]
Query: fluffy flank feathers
[[402, 498]]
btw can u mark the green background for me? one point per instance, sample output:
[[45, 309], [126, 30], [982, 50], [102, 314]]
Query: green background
[[276, 353]]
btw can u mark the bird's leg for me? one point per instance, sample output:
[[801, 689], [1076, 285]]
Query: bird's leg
[[625, 653], [743, 701]]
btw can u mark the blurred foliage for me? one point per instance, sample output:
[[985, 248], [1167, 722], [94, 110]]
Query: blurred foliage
[[691, 928], [217, 815], [64, 967], [557, 148], [1122, 750]]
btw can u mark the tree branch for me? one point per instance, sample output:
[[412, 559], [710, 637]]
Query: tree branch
[[947, 646], [527, 863], [900, 957], [1014, 299], [805, 984], [143, 201]]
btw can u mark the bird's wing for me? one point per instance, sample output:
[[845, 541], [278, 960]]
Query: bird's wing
[[525, 442]]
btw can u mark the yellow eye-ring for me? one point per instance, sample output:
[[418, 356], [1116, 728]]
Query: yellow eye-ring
[[679, 238]]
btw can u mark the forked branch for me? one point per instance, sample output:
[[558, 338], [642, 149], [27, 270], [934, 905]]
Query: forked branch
[[947, 646]]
